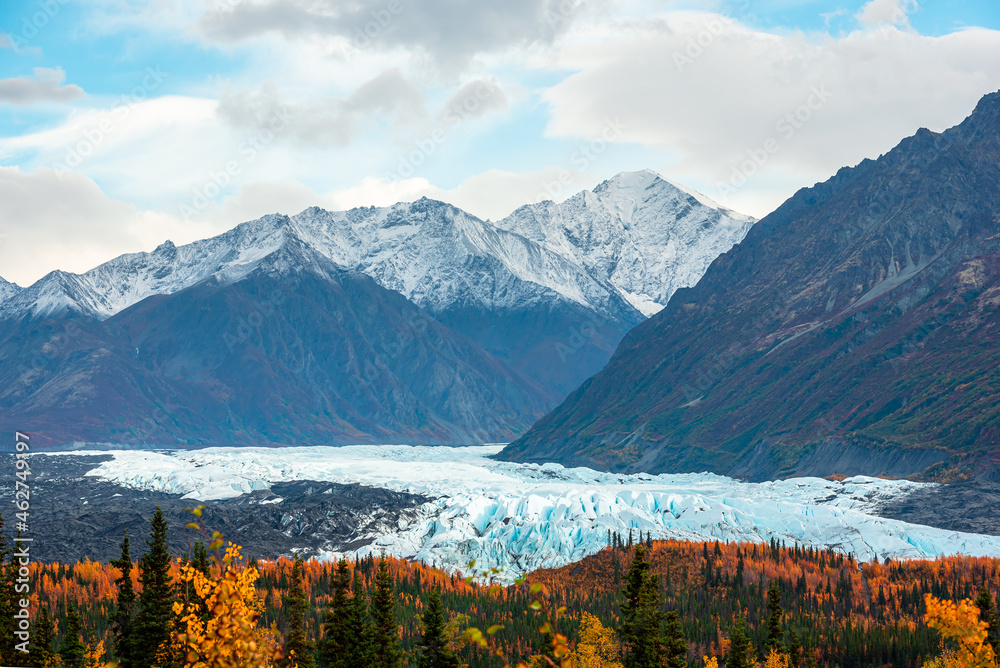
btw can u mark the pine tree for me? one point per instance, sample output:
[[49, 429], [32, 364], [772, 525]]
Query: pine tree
[[794, 655], [40, 650], [739, 647], [433, 650], [199, 558], [154, 610], [641, 618], [122, 618], [298, 647], [988, 614], [359, 631], [385, 633], [675, 648], [775, 634], [73, 652], [333, 648]]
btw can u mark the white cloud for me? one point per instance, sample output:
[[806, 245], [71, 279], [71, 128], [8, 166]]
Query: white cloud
[[53, 220], [45, 86], [712, 94], [886, 12]]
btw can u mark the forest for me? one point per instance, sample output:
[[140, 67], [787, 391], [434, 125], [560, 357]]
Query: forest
[[637, 603]]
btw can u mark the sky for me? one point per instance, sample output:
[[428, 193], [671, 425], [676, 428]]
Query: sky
[[124, 123]]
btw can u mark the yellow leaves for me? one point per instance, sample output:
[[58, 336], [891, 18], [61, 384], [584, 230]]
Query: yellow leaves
[[230, 638], [710, 662], [597, 647], [960, 623], [775, 660]]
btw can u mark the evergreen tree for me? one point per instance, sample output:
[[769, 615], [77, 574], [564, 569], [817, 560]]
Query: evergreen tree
[[73, 652], [199, 558], [794, 655], [675, 648], [433, 650], [739, 647], [988, 614], [122, 618], [359, 630], [151, 627], [641, 618], [40, 650], [775, 634], [333, 648], [298, 647], [385, 634]]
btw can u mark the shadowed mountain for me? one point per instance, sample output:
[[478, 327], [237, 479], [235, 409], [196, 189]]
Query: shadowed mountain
[[854, 330]]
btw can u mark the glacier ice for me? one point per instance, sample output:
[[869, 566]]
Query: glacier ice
[[520, 517]]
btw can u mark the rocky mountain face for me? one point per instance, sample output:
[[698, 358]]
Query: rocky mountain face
[[7, 289], [855, 330], [298, 350], [415, 323]]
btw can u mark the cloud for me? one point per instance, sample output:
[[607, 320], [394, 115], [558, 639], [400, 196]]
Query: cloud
[[327, 122], [53, 220], [6, 42], [886, 12], [450, 31], [46, 86], [711, 94]]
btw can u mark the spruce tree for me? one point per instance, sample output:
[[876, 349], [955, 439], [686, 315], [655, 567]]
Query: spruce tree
[[154, 610], [359, 630], [385, 635], [988, 614], [40, 650], [333, 647], [739, 647], [73, 652], [775, 634], [122, 618], [641, 618], [794, 654], [298, 647], [433, 650], [675, 648]]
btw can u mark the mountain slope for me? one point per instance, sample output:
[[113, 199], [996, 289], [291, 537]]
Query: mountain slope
[[551, 302], [7, 289], [853, 330], [294, 350]]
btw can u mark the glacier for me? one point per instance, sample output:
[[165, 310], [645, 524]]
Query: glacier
[[521, 517]]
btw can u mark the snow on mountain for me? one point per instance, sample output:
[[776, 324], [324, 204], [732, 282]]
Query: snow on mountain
[[635, 237], [7, 289], [637, 231], [520, 517]]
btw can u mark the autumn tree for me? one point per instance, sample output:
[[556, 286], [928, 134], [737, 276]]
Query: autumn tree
[[122, 619], [597, 646], [641, 618], [960, 623], [385, 632], [151, 627], [298, 647], [73, 651], [433, 650]]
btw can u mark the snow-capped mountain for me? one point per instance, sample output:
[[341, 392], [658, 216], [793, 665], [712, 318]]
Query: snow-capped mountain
[[639, 233], [635, 234], [549, 290], [7, 289], [520, 517]]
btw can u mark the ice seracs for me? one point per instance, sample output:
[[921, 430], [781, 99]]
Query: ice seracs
[[520, 517]]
